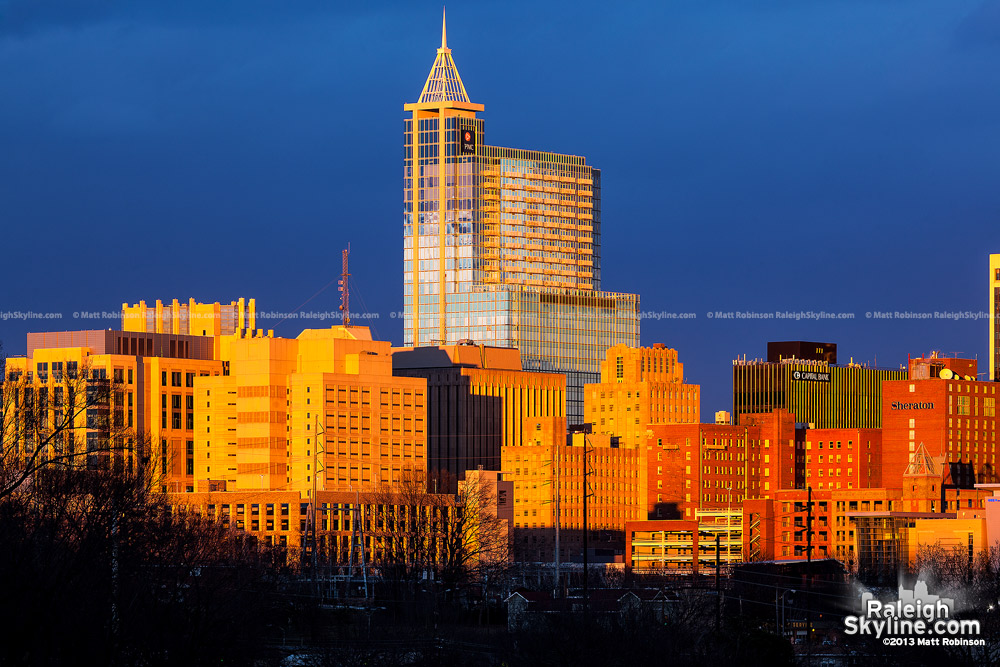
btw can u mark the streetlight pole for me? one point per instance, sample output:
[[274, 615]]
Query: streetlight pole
[[729, 525], [780, 628]]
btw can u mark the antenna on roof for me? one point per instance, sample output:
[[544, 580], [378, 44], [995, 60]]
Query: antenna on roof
[[345, 294]]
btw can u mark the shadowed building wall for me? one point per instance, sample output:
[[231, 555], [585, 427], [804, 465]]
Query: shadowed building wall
[[478, 400]]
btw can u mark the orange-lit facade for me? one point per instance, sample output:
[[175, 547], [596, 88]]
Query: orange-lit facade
[[994, 318], [640, 386], [777, 526], [685, 546], [954, 418], [345, 521], [887, 541], [547, 470], [817, 393], [191, 318], [259, 427], [701, 466], [501, 246], [843, 458], [478, 400], [153, 376]]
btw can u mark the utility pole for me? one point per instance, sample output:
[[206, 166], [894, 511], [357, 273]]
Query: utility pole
[[361, 542], [718, 587], [357, 545], [777, 628], [586, 529], [312, 508], [555, 459], [349, 580], [809, 519]]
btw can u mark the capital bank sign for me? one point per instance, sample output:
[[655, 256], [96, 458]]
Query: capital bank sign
[[811, 376], [896, 405]]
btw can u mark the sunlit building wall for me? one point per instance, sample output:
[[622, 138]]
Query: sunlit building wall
[[547, 471], [994, 317], [685, 546], [153, 377], [817, 393], [946, 410], [191, 318], [639, 387], [322, 410]]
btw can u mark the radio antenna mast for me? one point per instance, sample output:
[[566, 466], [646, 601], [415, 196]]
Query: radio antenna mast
[[345, 293]]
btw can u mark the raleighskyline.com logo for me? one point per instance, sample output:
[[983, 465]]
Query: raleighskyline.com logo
[[917, 618]]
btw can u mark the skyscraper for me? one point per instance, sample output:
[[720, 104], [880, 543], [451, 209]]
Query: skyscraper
[[994, 318], [501, 246]]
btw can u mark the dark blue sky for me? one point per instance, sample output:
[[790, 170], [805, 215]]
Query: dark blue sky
[[838, 156]]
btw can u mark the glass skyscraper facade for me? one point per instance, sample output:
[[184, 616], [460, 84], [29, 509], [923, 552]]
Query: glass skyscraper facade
[[501, 246]]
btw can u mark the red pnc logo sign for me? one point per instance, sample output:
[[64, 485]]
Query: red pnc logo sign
[[467, 141]]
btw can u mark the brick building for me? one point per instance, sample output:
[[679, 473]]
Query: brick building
[[944, 407]]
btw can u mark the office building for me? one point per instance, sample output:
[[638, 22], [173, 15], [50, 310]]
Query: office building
[[501, 246], [152, 378], [779, 523], [994, 318], [191, 318], [478, 399], [818, 393], [550, 471], [802, 350], [640, 386], [350, 526], [323, 405], [694, 467], [843, 458]]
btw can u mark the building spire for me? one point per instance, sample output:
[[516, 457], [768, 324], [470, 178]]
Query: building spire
[[443, 83], [444, 30]]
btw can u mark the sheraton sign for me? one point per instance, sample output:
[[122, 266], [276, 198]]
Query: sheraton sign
[[896, 405]]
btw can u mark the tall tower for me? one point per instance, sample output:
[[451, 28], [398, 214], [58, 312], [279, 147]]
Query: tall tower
[[994, 318], [501, 246]]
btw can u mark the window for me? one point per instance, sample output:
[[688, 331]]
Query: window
[[963, 405]]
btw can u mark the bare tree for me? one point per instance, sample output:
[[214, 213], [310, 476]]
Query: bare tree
[[69, 416], [457, 538], [94, 563]]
